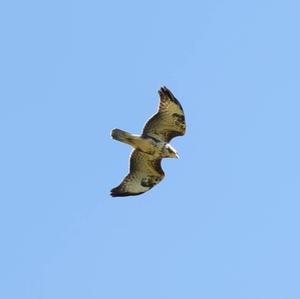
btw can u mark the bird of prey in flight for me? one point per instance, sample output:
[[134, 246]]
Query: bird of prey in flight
[[151, 146]]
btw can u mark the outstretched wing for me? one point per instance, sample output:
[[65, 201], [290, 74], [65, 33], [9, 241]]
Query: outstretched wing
[[144, 173], [169, 121]]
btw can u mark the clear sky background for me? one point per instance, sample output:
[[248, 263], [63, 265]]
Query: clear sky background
[[225, 221]]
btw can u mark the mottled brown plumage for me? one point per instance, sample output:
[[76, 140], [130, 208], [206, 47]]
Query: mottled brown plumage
[[169, 121], [144, 173], [149, 148]]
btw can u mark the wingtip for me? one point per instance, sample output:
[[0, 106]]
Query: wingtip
[[115, 192], [114, 195], [118, 192], [123, 194], [164, 91]]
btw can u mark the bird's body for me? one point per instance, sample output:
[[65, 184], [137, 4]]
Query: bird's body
[[151, 146]]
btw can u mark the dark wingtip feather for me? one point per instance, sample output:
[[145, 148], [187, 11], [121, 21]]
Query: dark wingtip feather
[[164, 91], [118, 192], [123, 194]]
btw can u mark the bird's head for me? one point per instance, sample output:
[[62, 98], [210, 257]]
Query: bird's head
[[170, 152]]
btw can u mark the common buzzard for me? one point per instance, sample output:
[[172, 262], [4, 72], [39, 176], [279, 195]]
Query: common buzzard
[[151, 146]]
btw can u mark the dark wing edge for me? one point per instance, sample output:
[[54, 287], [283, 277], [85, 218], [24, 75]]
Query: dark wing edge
[[117, 192], [164, 91], [152, 127], [121, 190], [144, 174]]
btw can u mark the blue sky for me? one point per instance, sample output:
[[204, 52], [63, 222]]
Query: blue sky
[[225, 221]]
